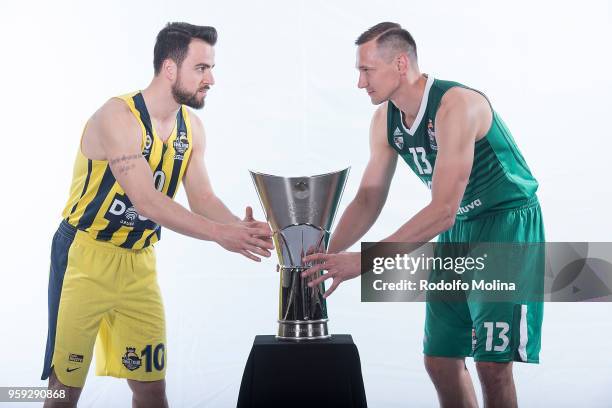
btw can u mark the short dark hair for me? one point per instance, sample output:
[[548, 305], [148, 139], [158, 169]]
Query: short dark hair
[[390, 35], [173, 42]]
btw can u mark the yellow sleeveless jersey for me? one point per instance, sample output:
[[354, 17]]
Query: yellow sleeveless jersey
[[99, 206]]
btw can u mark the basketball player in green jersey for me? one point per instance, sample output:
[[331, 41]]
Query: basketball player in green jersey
[[481, 191], [134, 153]]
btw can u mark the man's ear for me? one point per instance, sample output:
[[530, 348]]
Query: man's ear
[[169, 69], [402, 63]]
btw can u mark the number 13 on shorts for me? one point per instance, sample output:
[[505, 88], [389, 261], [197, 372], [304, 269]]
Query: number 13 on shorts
[[497, 336]]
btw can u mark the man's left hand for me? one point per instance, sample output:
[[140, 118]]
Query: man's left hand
[[340, 267]]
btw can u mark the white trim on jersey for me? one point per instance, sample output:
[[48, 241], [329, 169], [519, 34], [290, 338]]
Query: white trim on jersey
[[421, 113], [523, 334]]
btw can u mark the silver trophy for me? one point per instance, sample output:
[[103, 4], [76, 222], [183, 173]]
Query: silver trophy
[[300, 211]]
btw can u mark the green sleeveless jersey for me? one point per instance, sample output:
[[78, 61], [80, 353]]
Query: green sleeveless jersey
[[500, 178]]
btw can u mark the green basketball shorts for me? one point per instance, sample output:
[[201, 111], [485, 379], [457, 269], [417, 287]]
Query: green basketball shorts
[[490, 331]]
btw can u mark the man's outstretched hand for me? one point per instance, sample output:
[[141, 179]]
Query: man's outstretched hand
[[339, 267], [248, 237]]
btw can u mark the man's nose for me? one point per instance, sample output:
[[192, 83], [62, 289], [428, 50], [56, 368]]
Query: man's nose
[[361, 83], [210, 78]]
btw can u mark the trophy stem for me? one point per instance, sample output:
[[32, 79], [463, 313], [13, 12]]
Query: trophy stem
[[302, 310]]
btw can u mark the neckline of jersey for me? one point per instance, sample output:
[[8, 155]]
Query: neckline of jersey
[[174, 131], [417, 121]]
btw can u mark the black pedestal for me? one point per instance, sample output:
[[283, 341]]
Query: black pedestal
[[309, 373]]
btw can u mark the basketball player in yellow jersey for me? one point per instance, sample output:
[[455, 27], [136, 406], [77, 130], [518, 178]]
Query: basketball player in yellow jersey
[[134, 152]]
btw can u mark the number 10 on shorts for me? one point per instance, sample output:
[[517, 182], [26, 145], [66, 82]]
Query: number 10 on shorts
[[154, 357]]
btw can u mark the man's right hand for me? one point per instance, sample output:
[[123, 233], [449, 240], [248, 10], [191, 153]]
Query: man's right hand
[[246, 238]]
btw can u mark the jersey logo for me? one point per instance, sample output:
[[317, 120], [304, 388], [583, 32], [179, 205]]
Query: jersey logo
[[127, 214], [432, 135], [130, 359], [148, 143], [122, 213], [398, 138], [181, 144]]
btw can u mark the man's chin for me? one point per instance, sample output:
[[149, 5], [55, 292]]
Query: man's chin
[[197, 104]]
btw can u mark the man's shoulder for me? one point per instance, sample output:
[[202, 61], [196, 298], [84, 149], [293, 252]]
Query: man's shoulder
[[468, 107], [462, 99], [196, 122], [379, 118], [114, 112], [378, 126], [197, 129]]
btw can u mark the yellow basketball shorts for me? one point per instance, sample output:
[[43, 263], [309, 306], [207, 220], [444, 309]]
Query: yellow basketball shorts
[[97, 289]]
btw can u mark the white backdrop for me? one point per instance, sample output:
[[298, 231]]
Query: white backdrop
[[286, 102]]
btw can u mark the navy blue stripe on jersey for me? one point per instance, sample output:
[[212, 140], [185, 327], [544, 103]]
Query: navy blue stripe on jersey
[[133, 236], [59, 261], [161, 164], [140, 106], [181, 127], [158, 168], [107, 233], [89, 167], [148, 240], [108, 180], [174, 180], [156, 232]]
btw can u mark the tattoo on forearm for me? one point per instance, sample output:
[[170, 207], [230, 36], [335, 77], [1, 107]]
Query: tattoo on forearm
[[124, 163]]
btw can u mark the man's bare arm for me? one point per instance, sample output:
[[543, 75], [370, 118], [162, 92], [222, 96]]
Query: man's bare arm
[[202, 198], [365, 208], [120, 139], [361, 213]]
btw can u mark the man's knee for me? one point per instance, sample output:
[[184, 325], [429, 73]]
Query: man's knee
[[438, 367], [491, 373], [155, 389], [71, 393]]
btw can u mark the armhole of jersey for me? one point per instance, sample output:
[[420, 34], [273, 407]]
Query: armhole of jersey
[[458, 85], [486, 135], [80, 153], [187, 119], [127, 99], [390, 107], [80, 149]]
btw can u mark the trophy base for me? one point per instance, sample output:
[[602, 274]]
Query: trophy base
[[297, 330]]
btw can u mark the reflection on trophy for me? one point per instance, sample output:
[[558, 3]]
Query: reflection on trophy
[[300, 211]]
